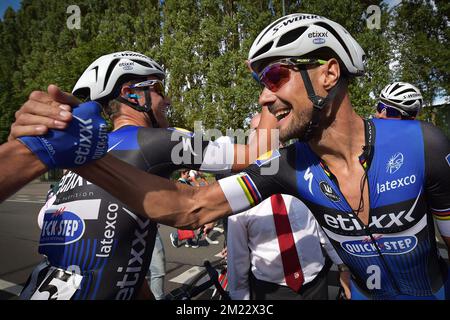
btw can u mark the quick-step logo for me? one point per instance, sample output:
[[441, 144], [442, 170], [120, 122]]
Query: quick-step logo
[[387, 245], [61, 227]]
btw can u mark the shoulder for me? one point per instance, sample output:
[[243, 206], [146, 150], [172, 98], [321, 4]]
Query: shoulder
[[432, 135]]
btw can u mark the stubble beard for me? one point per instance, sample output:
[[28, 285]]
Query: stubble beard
[[298, 125]]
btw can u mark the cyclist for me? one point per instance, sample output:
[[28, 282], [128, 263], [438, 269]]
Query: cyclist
[[399, 100], [370, 190], [115, 244], [258, 254], [133, 98]]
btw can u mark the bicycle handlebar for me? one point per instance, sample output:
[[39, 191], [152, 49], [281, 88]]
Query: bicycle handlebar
[[214, 276]]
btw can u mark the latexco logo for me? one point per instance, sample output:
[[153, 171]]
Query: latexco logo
[[395, 162], [395, 184], [328, 191]]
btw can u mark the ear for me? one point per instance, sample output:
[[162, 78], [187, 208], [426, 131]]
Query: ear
[[332, 73], [125, 90]]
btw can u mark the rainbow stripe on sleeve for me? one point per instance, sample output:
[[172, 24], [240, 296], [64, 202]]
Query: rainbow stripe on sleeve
[[440, 214], [250, 191]]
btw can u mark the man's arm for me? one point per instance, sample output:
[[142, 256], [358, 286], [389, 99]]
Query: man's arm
[[160, 199], [181, 206], [19, 166], [51, 110]]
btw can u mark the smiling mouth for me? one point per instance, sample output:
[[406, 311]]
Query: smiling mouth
[[282, 113]]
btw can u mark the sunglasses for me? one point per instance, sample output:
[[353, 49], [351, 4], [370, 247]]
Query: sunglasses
[[393, 112], [157, 85], [276, 74]]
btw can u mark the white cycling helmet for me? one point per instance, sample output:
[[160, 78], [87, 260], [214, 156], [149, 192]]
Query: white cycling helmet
[[302, 34], [402, 96], [101, 81]]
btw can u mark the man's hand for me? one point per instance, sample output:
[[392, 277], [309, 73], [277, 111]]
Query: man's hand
[[43, 111], [344, 279], [208, 227], [84, 140]]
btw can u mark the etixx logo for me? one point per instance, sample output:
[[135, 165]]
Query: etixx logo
[[395, 162], [126, 65], [328, 191], [318, 37]]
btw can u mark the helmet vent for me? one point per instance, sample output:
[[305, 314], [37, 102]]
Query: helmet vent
[[109, 71], [406, 91], [397, 85], [143, 63], [96, 73], [263, 49], [291, 36], [409, 102], [82, 93], [337, 36]]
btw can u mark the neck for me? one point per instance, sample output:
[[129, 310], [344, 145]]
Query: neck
[[341, 134], [130, 117]]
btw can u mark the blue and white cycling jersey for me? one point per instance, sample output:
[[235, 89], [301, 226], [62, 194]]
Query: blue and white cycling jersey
[[395, 254], [90, 233]]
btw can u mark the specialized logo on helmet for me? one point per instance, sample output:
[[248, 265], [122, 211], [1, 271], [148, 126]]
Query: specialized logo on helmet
[[394, 163], [61, 227], [288, 21], [386, 245], [127, 54], [328, 191], [127, 65], [412, 95]]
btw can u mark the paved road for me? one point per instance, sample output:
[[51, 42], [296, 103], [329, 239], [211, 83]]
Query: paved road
[[19, 235]]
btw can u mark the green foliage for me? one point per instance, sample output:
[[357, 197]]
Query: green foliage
[[203, 44]]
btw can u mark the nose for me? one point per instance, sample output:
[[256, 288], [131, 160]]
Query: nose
[[267, 97]]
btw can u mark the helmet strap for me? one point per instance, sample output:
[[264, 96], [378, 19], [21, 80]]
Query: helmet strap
[[147, 107], [319, 103]]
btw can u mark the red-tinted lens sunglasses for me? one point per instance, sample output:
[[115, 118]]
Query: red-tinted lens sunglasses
[[276, 74]]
